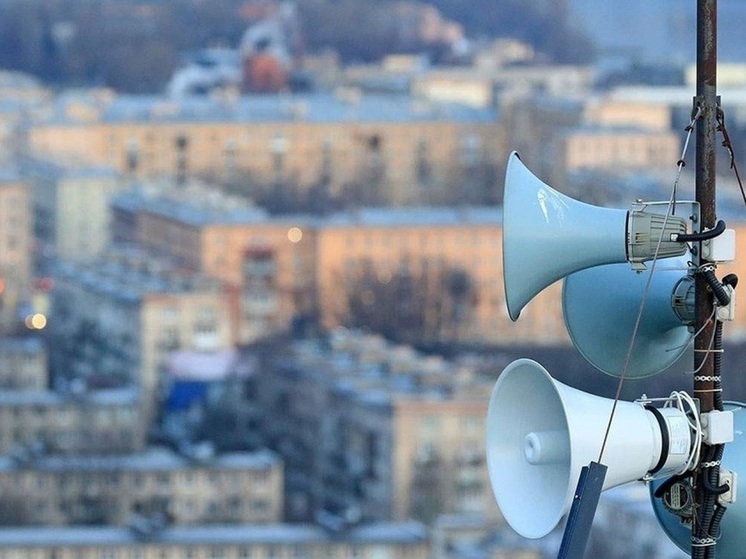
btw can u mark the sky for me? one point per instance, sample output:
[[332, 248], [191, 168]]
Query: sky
[[659, 30]]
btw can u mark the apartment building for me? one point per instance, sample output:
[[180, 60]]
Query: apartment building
[[118, 317], [71, 208], [618, 149], [88, 422], [427, 242], [109, 489], [15, 246], [23, 364], [289, 267], [35, 418], [21, 95], [405, 540], [370, 431], [339, 139], [267, 263]]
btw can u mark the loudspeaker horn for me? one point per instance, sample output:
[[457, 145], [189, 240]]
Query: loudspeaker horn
[[540, 433], [547, 235], [679, 498], [601, 304]]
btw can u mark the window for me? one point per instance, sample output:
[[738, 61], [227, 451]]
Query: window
[[217, 553]]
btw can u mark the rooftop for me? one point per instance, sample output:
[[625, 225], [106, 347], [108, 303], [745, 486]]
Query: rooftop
[[416, 216], [314, 108], [154, 458], [383, 532]]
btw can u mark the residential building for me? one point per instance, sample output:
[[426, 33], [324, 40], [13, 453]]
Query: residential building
[[34, 418], [16, 240], [617, 149], [71, 208], [266, 263], [370, 431], [23, 364], [107, 489], [95, 421], [374, 142], [425, 243], [405, 540], [463, 536], [118, 317], [21, 97]]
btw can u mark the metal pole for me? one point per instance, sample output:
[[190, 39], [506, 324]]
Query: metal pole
[[707, 102]]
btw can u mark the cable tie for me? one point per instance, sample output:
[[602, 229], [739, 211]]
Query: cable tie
[[710, 350], [710, 464], [703, 542], [712, 390], [707, 378]]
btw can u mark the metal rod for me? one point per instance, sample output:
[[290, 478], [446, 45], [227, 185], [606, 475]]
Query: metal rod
[[707, 101]]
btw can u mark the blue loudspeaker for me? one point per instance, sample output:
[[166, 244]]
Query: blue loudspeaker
[[540, 433], [547, 235], [601, 305], [674, 508]]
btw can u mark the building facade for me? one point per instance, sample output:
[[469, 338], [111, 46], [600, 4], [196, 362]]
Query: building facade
[[23, 364], [117, 319], [66, 423], [267, 265], [16, 238], [111, 489], [336, 140], [71, 209], [370, 431], [408, 540]]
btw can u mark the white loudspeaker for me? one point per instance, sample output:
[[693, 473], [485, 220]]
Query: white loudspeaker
[[540, 433], [601, 306], [730, 539], [547, 235]]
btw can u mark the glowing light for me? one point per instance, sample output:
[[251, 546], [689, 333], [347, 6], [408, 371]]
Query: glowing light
[[295, 234], [35, 321]]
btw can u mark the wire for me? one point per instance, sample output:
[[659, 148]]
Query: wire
[[646, 291], [682, 401], [720, 117]]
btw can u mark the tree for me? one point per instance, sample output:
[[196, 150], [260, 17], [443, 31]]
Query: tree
[[421, 304]]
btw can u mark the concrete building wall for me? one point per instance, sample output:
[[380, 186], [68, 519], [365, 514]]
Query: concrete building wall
[[106, 421], [378, 541], [23, 364], [15, 247], [286, 146], [110, 489]]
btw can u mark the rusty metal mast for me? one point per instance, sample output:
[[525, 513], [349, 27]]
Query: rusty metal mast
[[707, 102]]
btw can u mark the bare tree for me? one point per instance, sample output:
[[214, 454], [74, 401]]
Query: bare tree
[[421, 302]]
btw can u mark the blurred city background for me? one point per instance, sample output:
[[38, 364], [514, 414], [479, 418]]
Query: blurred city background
[[251, 292]]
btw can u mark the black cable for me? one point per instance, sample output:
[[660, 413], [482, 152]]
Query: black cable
[[711, 486], [708, 271], [703, 236], [717, 365], [730, 279], [703, 519], [711, 478]]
